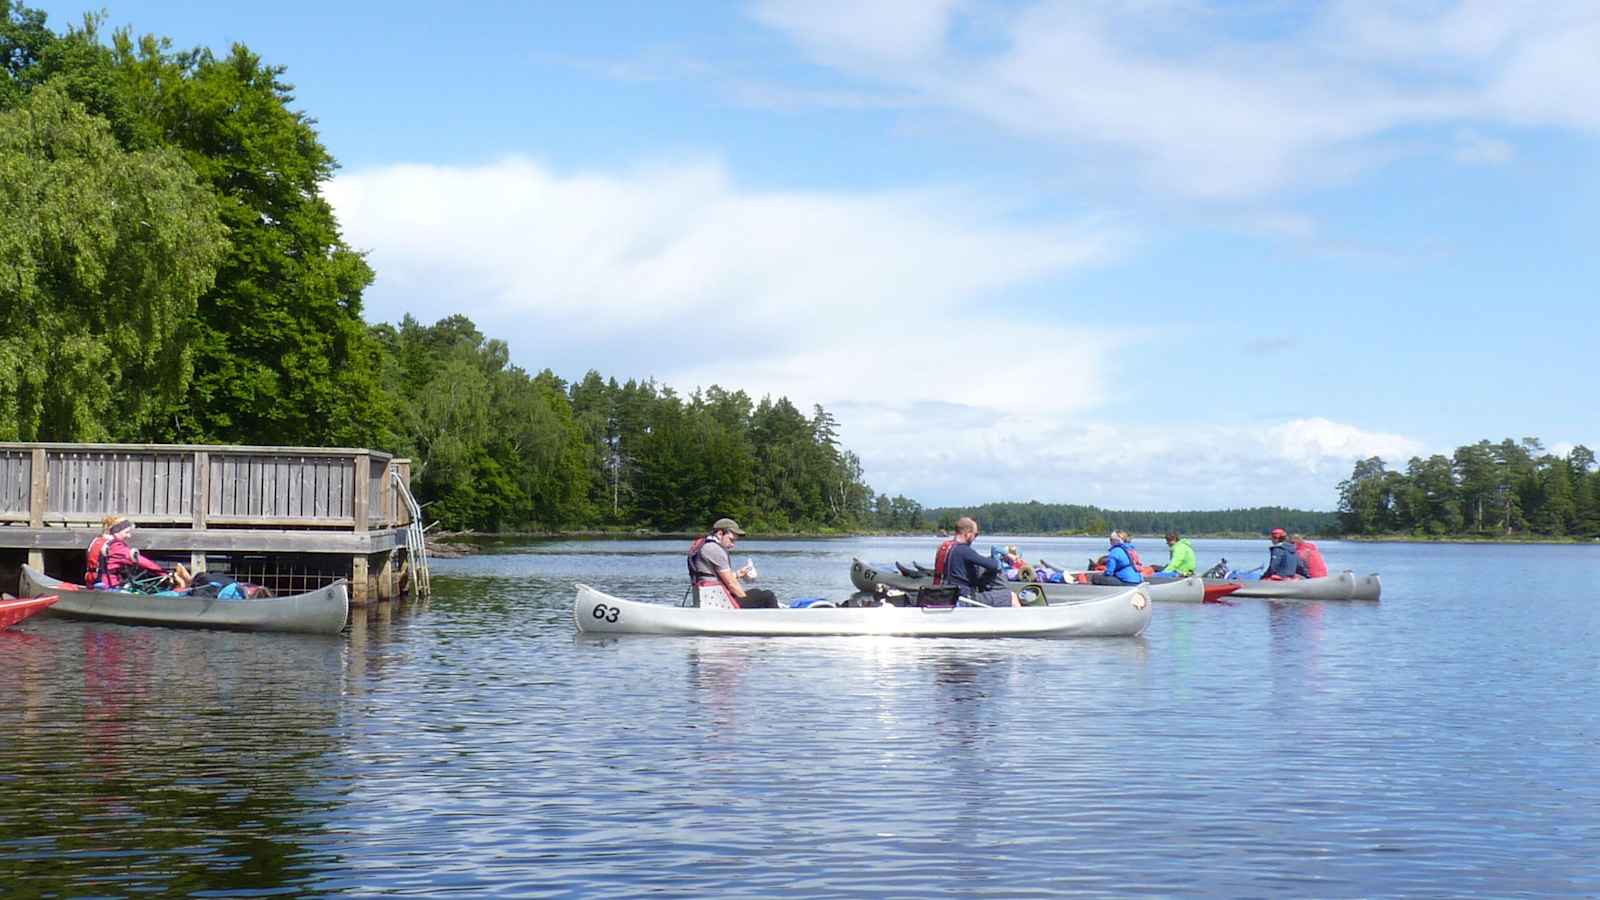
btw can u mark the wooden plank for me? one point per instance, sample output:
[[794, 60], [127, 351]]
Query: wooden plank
[[285, 471], [292, 494], [54, 480], [260, 486], [319, 496], [339, 489], [187, 472], [144, 498], [200, 505], [158, 486], [72, 474], [214, 485], [18, 486], [94, 483]]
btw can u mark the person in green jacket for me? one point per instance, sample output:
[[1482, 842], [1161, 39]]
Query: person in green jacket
[[1182, 562]]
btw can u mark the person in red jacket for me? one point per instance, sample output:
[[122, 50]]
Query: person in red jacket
[[121, 562], [93, 570], [1310, 555]]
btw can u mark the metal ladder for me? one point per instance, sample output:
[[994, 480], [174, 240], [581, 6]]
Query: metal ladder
[[416, 539]]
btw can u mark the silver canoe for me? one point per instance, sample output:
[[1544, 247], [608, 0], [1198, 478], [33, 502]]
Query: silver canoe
[[1123, 613], [866, 576], [318, 612], [1344, 586]]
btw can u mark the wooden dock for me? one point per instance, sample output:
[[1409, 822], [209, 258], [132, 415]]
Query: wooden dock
[[289, 517]]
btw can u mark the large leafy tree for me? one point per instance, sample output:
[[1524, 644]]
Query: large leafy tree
[[282, 348], [103, 255]]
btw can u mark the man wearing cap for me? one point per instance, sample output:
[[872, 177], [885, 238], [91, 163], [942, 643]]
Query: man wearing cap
[[1283, 564], [714, 582]]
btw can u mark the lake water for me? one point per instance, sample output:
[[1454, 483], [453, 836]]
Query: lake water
[[1445, 741]]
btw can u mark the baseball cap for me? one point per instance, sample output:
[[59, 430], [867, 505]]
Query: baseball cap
[[727, 525]]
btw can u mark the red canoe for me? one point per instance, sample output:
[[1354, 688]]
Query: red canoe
[[1216, 590], [13, 610]]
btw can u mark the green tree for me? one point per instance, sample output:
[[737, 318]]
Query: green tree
[[283, 349], [1366, 498], [24, 40], [103, 254]]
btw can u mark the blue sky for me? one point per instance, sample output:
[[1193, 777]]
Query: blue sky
[[1137, 253]]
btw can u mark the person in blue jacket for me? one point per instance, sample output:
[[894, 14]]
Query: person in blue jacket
[[1282, 562], [1120, 569]]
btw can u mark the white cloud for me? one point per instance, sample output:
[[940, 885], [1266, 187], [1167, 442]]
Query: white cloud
[[890, 309], [1142, 465], [1475, 149], [1205, 98]]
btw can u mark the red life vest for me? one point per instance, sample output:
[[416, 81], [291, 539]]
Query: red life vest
[[694, 551], [95, 561], [941, 561]]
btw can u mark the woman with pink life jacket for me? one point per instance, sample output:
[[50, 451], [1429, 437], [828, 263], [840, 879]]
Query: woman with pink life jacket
[[712, 579], [119, 562], [1310, 556]]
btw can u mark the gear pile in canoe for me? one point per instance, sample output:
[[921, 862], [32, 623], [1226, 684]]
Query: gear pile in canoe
[[867, 577]]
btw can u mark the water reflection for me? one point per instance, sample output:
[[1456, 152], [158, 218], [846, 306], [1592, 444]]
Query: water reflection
[[156, 759], [476, 744]]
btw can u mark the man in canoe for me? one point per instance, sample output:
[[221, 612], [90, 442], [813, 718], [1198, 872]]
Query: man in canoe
[[974, 575], [120, 562], [1282, 563], [1183, 562], [1120, 567], [711, 575]]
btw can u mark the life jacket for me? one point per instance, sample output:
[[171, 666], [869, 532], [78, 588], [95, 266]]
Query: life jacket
[[941, 561], [709, 593], [95, 561]]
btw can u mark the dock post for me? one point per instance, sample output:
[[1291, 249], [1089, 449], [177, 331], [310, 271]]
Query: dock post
[[358, 580], [361, 467], [38, 498]]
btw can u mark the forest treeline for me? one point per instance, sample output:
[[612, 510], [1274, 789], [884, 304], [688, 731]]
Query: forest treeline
[[1034, 517], [1513, 488]]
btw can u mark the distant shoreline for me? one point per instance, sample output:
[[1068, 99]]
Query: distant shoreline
[[464, 538]]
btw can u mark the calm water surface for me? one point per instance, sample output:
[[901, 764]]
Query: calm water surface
[[1445, 741]]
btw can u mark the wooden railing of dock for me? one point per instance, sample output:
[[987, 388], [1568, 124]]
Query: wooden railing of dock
[[200, 487]]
